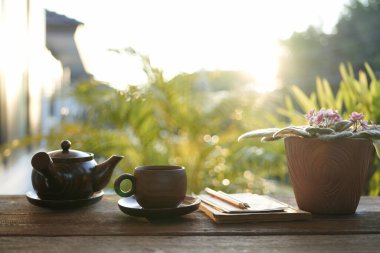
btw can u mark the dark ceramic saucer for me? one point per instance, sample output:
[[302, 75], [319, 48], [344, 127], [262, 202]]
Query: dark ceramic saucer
[[63, 204], [130, 206]]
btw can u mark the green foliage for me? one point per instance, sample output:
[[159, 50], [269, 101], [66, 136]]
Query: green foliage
[[354, 94], [182, 122], [190, 120], [314, 53]]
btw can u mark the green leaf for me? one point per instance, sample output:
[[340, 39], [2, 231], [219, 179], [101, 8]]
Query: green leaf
[[370, 72], [331, 137], [343, 71], [325, 95], [297, 131], [343, 125], [376, 144], [259, 133], [371, 133], [302, 99], [317, 130], [270, 138]]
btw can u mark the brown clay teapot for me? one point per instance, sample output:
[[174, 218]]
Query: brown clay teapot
[[70, 174]]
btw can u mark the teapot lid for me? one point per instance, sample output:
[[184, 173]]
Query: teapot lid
[[69, 155]]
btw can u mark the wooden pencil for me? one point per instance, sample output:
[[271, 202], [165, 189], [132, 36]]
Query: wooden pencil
[[227, 198]]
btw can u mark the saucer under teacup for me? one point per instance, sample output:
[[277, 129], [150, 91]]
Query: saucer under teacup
[[130, 206], [63, 204]]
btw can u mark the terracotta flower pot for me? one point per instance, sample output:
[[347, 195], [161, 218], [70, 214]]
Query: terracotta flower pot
[[328, 176]]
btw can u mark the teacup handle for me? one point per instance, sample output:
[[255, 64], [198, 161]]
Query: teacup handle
[[120, 179]]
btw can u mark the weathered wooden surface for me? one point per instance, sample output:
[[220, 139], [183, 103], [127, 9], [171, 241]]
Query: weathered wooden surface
[[103, 227], [196, 244], [18, 217]]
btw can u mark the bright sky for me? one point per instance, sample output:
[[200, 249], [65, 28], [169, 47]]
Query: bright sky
[[190, 35]]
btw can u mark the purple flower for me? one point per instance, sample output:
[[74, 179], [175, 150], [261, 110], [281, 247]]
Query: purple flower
[[310, 117], [318, 119], [355, 117], [310, 114], [334, 116], [327, 118], [364, 124]]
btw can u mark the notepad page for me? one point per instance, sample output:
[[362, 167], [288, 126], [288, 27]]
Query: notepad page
[[257, 203]]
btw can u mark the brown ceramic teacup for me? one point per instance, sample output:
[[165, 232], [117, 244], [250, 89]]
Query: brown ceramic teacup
[[155, 186]]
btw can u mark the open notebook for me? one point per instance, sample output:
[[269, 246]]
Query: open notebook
[[262, 208]]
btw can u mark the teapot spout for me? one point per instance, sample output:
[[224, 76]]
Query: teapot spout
[[103, 172]]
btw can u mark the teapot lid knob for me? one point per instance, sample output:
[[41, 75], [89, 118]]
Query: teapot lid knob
[[65, 145]]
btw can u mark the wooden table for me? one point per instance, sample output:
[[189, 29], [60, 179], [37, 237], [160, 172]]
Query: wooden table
[[104, 228]]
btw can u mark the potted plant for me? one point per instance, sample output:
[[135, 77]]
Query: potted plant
[[328, 159]]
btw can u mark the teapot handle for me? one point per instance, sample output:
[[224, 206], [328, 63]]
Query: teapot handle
[[43, 164], [120, 179]]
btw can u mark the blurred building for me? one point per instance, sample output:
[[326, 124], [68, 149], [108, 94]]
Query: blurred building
[[60, 40]]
